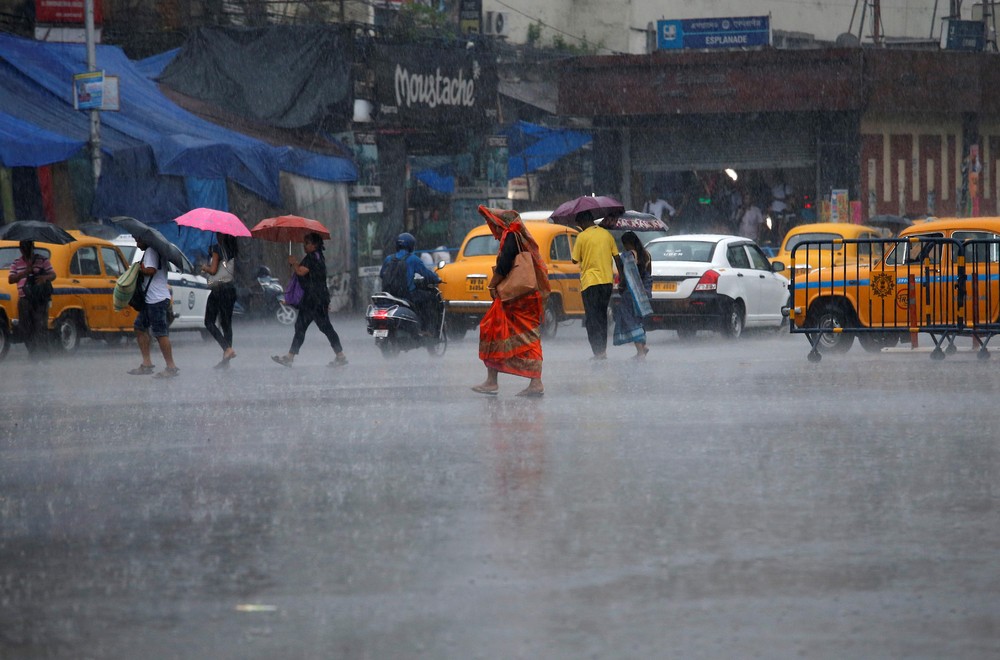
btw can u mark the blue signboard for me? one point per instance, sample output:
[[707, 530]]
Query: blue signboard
[[737, 32]]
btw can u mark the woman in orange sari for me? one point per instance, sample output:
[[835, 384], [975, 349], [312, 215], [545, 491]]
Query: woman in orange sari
[[510, 337]]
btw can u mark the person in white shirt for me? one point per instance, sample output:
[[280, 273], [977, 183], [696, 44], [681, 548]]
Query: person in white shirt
[[154, 317], [656, 205], [751, 221]]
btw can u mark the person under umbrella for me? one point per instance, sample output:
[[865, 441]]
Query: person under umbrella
[[222, 298], [595, 250], [31, 272], [154, 316], [311, 273]]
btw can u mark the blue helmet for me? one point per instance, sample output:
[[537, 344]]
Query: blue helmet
[[405, 241]]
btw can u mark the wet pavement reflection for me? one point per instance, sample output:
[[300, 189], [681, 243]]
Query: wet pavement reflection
[[721, 499]]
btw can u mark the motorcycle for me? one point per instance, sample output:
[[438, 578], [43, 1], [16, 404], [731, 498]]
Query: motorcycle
[[395, 325], [266, 300]]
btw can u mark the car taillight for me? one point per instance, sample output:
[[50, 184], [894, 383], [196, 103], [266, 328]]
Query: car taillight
[[708, 282]]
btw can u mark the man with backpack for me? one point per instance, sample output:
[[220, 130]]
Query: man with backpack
[[397, 279]]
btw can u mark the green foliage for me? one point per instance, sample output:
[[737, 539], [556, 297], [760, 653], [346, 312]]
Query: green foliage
[[416, 19], [534, 34]]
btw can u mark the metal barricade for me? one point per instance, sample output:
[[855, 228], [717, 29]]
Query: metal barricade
[[882, 291], [981, 261]]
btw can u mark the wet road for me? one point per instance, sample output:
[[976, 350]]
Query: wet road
[[720, 500]]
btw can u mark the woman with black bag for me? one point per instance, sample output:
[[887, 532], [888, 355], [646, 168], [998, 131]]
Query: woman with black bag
[[221, 271], [33, 275]]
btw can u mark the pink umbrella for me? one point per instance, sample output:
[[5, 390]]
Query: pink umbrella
[[600, 206], [213, 220]]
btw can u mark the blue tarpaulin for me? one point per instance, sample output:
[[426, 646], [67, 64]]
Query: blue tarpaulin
[[530, 147], [36, 88]]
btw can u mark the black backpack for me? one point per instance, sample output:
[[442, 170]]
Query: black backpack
[[395, 280]]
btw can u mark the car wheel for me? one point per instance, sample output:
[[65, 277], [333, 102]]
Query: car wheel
[[732, 321], [4, 339], [456, 328], [285, 314], [686, 332], [550, 319], [874, 342], [831, 316], [67, 333], [113, 338]]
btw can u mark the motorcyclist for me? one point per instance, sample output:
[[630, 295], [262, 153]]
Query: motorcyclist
[[424, 301]]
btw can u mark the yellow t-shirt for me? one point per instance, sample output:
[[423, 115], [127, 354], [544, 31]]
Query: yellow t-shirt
[[595, 250]]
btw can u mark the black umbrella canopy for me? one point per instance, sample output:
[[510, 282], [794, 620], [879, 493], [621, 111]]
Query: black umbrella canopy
[[35, 230], [154, 239]]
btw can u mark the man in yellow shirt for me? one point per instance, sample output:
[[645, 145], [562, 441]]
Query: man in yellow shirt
[[594, 250]]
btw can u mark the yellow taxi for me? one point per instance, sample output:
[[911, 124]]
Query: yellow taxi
[[82, 305], [915, 287], [807, 259], [463, 282]]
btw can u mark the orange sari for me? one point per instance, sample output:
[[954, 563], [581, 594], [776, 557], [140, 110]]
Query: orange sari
[[510, 337]]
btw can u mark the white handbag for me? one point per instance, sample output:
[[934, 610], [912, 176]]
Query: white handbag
[[224, 273]]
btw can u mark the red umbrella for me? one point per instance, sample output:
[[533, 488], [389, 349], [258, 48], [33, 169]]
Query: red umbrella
[[287, 228], [214, 220], [600, 206]]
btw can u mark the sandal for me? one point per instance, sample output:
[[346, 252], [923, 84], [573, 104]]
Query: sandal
[[482, 390], [339, 362], [169, 372], [531, 393], [282, 360], [142, 370]]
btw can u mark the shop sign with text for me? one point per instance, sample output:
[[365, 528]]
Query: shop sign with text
[[422, 86], [65, 11]]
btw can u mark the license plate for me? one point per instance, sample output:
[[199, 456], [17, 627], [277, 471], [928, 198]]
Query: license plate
[[380, 334], [664, 286], [477, 283]]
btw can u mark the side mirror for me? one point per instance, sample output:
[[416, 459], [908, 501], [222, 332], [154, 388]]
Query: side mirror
[[777, 266]]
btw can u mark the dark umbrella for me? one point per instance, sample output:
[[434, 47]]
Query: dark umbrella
[[893, 222], [154, 239], [600, 206], [99, 230], [35, 230], [634, 221]]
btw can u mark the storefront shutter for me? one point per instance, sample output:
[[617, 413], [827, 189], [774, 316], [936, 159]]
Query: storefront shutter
[[717, 142]]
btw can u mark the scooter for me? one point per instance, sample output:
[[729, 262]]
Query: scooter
[[265, 300], [395, 325]]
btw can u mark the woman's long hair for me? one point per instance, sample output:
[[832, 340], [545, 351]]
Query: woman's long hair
[[631, 242], [229, 246]]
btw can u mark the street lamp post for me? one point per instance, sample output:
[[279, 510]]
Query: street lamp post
[[95, 114]]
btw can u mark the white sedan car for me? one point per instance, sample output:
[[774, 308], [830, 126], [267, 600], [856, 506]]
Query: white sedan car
[[190, 291], [715, 282]]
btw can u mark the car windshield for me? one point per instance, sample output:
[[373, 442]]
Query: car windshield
[[129, 252], [9, 254], [681, 250], [480, 245], [812, 237]]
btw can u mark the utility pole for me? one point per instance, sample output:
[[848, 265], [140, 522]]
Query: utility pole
[[95, 114]]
